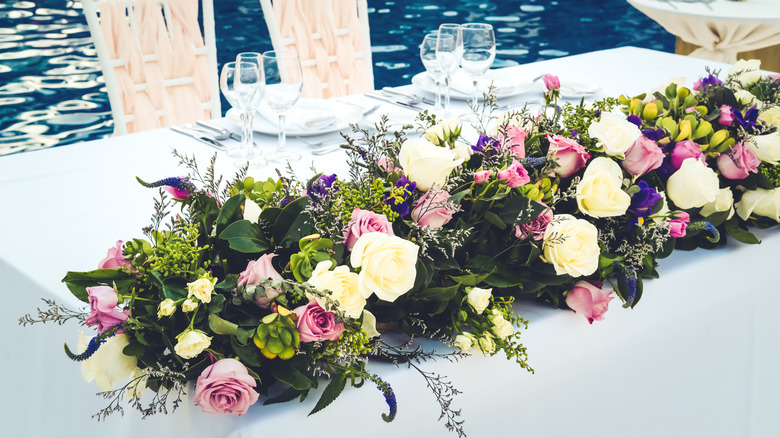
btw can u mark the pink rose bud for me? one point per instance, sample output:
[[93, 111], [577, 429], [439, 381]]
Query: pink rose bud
[[551, 82], [642, 157], [317, 324], [536, 227], [433, 209], [225, 387], [569, 155], [102, 308], [387, 165], [738, 162], [678, 225], [589, 300], [482, 176], [364, 221], [514, 140], [255, 273], [726, 116], [697, 85], [515, 175], [684, 150], [114, 258]]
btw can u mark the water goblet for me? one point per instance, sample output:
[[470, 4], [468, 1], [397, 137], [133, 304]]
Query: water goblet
[[226, 85], [428, 57], [449, 47], [479, 51], [283, 84], [248, 87]]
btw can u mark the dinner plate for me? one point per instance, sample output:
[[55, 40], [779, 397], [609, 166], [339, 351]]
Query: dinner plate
[[342, 115], [505, 87], [574, 88]]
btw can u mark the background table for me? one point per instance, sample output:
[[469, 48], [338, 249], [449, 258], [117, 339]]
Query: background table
[[696, 358]]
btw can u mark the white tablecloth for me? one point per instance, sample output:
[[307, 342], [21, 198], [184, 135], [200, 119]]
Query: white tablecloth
[[696, 358], [721, 28]]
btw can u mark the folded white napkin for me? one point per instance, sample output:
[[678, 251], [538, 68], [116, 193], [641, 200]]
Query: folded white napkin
[[462, 82], [301, 118]]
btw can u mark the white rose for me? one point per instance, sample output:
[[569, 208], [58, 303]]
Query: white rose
[[486, 344], [387, 265], [461, 151], [723, 202], [201, 288], [189, 305], [427, 164], [746, 72], [191, 343], [479, 299], [571, 246], [614, 133], [435, 134], [746, 98], [501, 327], [771, 116], [600, 193], [661, 88], [661, 215], [767, 147], [464, 342], [693, 185], [369, 324], [108, 365], [251, 210], [343, 285], [760, 202], [166, 308]]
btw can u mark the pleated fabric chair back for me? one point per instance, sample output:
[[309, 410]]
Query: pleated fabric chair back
[[332, 40], [158, 68]]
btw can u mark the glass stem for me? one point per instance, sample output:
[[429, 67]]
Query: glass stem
[[447, 94], [247, 134], [476, 93], [437, 104], [282, 147]]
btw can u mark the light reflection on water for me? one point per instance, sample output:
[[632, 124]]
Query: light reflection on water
[[52, 91]]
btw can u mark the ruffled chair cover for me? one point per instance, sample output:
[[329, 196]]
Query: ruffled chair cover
[[157, 68], [332, 40]]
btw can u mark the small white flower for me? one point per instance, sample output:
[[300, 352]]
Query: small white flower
[[479, 299]]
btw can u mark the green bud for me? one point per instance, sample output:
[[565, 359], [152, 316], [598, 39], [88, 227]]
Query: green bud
[[623, 100], [726, 145], [249, 183], [704, 129], [650, 111], [277, 336], [718, 138]]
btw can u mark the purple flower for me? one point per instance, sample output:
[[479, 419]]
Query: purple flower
[[397, 201], [642, 202], [635, 120], [321, 187], [709, 81], [749, 119], [574, 133], [654, 134], [485, 142]]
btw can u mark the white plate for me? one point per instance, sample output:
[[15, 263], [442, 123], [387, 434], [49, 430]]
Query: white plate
[[573, 89], [504, 86], [344, 115]]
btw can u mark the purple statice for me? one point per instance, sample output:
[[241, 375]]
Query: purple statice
[[399, 194], [748, 120], [709, 81], [322, 186], [635, 120], [574, 133], [484, 143], [654, 134], [643, 201]]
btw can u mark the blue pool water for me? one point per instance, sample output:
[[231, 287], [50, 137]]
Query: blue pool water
[[51, 87]]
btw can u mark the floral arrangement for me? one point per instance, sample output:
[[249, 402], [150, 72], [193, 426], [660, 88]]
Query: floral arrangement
[[257, 289]]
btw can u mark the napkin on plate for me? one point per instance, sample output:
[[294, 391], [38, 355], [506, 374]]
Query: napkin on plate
[[301, 118], [463, 83]]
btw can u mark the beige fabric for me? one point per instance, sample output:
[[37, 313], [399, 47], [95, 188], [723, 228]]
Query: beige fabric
[[720, 33], [331, 38], [157, 60]]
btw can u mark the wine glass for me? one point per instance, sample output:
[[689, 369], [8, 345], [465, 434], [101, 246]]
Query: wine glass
[[448, 52], [428, 57], [283, 84], [248, 85], [226, 85], [479, 51]]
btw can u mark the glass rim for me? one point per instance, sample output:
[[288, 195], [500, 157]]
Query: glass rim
[[249, 54], [280, 54], [476, 26]]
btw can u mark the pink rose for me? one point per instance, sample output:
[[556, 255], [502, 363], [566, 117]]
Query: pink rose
[[536, 227], [515, 175], [114, 258], [255, 273], [317, 324], [225, 387], [432, 208], [678, 225], [775, 76], [726, 116], [588, 299], [102, 308], [364, 221], [569, 155], [642, 157], [551, 82], [684, 150], [738, 162], [482, 176], [387, 165], [514, 140]]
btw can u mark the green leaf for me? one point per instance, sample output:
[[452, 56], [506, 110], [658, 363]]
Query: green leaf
[[285, 371], [78, 282], [741, 234], [438, 293], [457, 198], [470, 279], [520, 210], [249, 353], [221, 326], [301, 227], [287, 395], [244, 236], [287, 217], [495, 220], [270, 214], [331, 392], [217, 303], [230, 212], [504, 276], [174, 288]]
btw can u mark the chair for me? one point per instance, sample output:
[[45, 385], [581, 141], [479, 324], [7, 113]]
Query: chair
[[157, 69], [332, 39]]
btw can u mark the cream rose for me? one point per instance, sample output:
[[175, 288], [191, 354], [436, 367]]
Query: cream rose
[[771, 116], [614, 133], [435, 134], [202, 288], [723, 202], [767, 147], [746, 72], [693, 185], [479, 299], [486, 344], [571, 246], [189, 305], [600, 192], [343, 285], [108, 366], [166, 308], [427, 164], [191, 343], [501, 327], [747, 99], [464, 342], [461, 151], [760, 202], [387, 265]]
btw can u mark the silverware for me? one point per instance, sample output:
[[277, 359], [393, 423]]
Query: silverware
[[201, 138], [412, 99], [326, 150], [207, 131], [385, 98]]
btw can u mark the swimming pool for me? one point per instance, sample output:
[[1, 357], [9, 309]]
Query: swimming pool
[[51, 85]]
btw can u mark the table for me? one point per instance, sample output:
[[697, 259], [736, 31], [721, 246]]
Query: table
[[696, 358], [721, 28]]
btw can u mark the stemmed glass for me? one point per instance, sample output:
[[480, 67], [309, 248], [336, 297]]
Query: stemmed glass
[[283, 84], [449, 47], [248, 87], [428, 57], [479, 51], [226, 85]]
